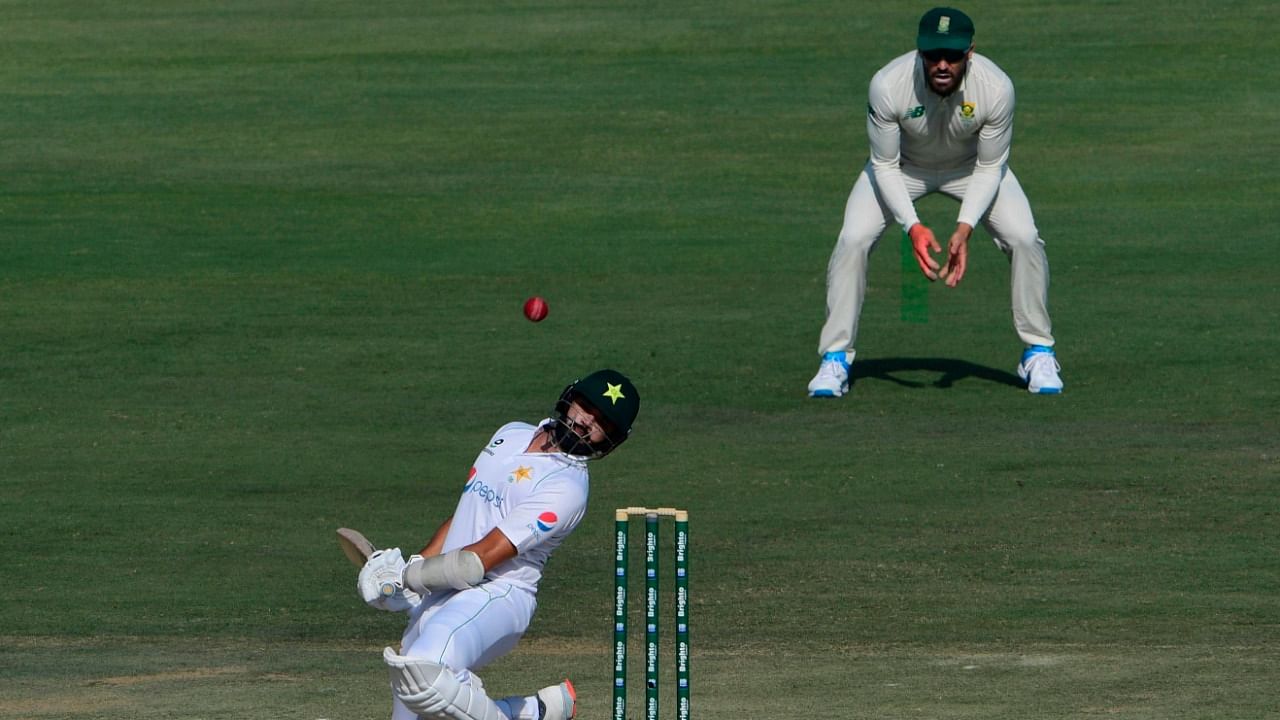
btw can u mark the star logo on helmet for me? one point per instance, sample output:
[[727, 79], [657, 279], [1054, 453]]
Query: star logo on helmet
[[613, 392]]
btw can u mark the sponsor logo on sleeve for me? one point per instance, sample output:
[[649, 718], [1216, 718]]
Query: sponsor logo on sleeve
[[484, 492], [493, 445], [547, 521]]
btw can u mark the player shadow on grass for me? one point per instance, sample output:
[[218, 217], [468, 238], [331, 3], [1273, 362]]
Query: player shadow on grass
[[949, 372]]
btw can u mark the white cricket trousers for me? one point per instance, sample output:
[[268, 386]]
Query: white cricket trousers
[[466, 630], [1009, 221]]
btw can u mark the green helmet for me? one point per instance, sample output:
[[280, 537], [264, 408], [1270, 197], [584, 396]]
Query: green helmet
[[610, 394]]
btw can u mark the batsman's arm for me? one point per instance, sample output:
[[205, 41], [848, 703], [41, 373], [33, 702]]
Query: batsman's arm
[[436, 543], [458, 569], [494, 549]]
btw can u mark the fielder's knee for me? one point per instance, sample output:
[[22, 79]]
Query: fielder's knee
[[855, 241], [1019, 241]]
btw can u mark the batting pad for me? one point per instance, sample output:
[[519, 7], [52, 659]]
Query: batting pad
[[431, 690]]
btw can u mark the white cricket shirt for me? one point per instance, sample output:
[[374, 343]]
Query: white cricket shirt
[[911, 126], [535, 499]]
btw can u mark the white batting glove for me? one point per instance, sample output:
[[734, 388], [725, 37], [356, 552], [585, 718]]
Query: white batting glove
[[379, 582]]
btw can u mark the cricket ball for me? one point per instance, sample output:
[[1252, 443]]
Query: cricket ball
[[535, 308]]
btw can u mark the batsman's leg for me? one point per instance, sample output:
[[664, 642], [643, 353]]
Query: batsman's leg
[[463, 632], [433, 691], [554, 702]]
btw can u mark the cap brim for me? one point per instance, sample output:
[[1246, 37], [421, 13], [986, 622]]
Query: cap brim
[[951, 42]]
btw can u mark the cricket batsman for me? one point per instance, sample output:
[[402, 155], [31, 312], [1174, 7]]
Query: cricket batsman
[[471, 591], [939, 120]]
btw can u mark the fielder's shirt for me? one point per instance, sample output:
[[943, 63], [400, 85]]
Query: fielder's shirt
[[535, 499], [914, 129]]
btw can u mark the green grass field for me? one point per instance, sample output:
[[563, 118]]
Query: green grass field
[[261, 269]]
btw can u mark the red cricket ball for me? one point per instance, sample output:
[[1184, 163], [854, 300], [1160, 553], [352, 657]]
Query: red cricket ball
[[535, 308]]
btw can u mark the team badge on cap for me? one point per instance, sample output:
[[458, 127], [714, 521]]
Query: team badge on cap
[[613, 392], [944, 28]]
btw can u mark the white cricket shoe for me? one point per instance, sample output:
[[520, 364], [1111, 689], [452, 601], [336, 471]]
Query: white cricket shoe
[[1039, 370], [832, 379], [558, 702]]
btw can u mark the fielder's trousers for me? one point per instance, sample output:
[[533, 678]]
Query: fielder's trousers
[[1008, 220]]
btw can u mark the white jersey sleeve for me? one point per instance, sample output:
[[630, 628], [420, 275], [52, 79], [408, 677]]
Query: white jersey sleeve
[[915, 131], [535, 499], [885, 136], [547, 515], [994, 140]]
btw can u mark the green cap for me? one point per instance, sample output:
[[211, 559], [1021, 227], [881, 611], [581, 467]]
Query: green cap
[[944, 28]]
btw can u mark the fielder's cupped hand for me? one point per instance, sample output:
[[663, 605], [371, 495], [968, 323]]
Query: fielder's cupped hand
[[922, 242], [957, 255]]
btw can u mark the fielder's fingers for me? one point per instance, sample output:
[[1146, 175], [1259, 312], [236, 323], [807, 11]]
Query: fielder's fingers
[[921, 243], [954, 271], [924, 257], [928, 266]]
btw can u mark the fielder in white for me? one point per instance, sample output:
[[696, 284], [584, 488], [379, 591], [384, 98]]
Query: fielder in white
[[471, 591], [939, 119]]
